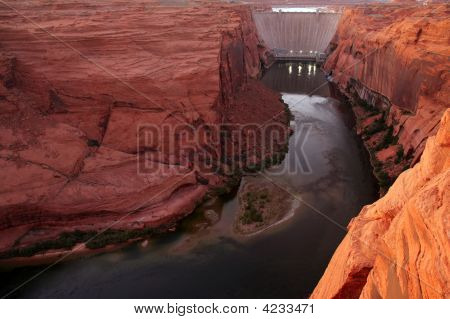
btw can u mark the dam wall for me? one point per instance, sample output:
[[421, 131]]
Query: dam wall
[[296, 34]]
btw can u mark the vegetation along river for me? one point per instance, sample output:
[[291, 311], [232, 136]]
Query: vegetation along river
[[206, 256]]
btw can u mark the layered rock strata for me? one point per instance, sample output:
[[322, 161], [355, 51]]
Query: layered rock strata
[[81, 82], [393, 62], [399, 247]]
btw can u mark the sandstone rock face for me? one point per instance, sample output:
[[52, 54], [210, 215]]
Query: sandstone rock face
[[396, 58], [395, 61], [77, 82], [399, 247]]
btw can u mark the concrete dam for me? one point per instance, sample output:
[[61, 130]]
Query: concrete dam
[[297, 35]]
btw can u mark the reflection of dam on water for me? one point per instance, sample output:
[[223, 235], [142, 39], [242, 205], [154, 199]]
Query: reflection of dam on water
[[297, 35], [204, 258], [300, 76]]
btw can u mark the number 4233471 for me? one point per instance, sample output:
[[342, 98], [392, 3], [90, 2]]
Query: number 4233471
[[289, 308]]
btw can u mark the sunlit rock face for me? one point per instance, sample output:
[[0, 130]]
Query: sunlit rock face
[[399, 53], [79, 79], [399, 247]]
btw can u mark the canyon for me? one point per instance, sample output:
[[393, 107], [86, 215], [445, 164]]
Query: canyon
[[82, 85], [78, 83], [396, 61], [398, 247], [393, 63]]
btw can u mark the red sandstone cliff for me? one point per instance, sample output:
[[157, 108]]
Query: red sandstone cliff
[[399, 247], [397, 60], [79, 78]]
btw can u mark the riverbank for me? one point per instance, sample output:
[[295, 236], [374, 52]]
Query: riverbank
[[398, 86], [75, 151], [391, 62], [219, 262], [387, 157], [262, 204]]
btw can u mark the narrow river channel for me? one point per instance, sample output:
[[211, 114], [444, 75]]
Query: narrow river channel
[[205, 258]]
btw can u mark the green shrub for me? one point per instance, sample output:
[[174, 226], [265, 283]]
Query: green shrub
[[387, 140], [383, 179], [231, 182], [254, 203], [366, 105], [93, 143], [115, 236], [220, 191], [289, 114], [65, 241], [375, 127], [253, 168], [375, 162], [399, 155], [92, 239], [251, 215]]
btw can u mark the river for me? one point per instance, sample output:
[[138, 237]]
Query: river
[[204, 258]]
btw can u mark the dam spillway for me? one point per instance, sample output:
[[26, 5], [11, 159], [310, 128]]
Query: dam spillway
[[296, 35]]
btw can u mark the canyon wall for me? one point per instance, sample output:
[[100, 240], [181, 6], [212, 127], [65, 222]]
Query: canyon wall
[[399, 247], [395, 63], [394, 59], [80, 83]]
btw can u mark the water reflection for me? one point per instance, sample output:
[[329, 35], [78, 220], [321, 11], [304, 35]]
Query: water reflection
[[205, 258], [306, 79]]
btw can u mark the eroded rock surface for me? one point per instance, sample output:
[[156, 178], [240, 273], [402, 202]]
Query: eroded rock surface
[[79, 79], [395, 60], [399, 247]]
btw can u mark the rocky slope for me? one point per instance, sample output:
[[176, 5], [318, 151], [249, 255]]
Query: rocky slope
[[81, 81], [394, 64]]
